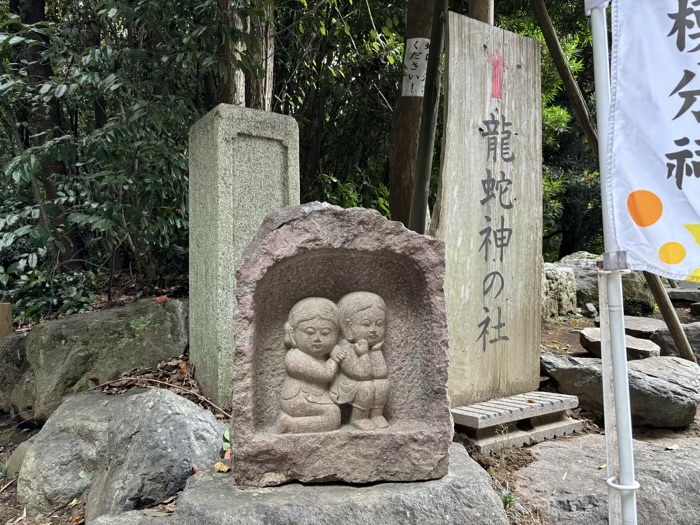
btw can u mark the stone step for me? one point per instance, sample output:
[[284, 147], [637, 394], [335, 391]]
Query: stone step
[[682, 295], [514, 408], [636, 348], [641, 327]]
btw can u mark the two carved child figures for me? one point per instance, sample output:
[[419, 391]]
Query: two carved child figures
[[334, 358]]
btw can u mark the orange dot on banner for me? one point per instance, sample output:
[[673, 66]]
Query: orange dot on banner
[[645, 208], [672, 253]]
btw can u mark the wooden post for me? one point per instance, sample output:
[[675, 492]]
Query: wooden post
[[5, 320], [428, 123], [669, 314], [482, 10], [584, 118], [405, 125]]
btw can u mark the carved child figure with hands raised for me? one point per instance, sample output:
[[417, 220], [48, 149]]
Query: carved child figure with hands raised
[[362, 380]]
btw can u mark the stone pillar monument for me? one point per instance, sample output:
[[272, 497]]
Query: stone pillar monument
[[244, 164]]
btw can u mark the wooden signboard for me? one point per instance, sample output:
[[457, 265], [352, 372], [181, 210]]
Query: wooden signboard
[[489, 210]]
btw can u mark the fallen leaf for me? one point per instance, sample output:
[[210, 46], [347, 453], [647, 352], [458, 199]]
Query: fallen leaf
[[195, 470], [163, 299], [604, 465], [155, 513], [73, 503], [672, 447], [78, 520], [227, 454], [532, 401], [169, 500], [222, 467], [2, 489], [95, 381]]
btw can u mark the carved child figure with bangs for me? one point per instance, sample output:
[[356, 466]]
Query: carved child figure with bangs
[[310, 334]]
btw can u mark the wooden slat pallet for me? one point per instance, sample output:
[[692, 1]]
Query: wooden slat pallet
[[516, 421]]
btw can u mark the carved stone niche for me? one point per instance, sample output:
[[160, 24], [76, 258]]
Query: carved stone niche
[[330, 261]]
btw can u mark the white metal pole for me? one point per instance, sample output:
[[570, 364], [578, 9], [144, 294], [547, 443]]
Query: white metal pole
[[612, 277], [613, 466]]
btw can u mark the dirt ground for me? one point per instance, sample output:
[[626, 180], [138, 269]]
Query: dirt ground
[[558, 336]]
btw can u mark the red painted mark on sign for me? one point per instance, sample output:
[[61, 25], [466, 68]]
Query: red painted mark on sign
[[497, 66]]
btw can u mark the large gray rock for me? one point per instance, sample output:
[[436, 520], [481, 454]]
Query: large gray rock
[[65, 354], [153, 445], [117, 452], [13, 366], [324, 251], [463, 497], [664, 391], [62, 461], [641, 327], [558, 291], [638, 299], [683, 295], [636, 348], [567, 483], [663, 338], [14, 464]]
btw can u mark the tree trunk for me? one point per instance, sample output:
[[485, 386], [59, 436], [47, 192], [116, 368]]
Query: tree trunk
[[259, 82], [405, 126], [231, 87], [482, 10], [572, 226], [313, 125], [47, 124]]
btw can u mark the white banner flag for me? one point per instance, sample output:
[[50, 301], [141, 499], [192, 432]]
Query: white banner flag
[[654, 147]]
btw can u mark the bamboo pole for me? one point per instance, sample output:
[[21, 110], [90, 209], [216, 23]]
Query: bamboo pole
[[586, 122]]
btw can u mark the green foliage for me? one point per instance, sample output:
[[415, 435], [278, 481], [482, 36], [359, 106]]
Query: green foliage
[[36, 292], [352, 194], [571, 191], [511, 504], [96, 103], [572, 206], [341, 71], [556, 118], [127, 79]]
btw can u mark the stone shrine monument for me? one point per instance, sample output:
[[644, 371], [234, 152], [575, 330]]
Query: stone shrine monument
[[340, 365], [244, 164]]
